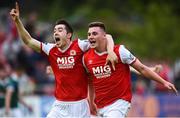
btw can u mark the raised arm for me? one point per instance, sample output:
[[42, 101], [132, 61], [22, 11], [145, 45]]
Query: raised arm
[[148, 73], [112, 57], [25, 36]]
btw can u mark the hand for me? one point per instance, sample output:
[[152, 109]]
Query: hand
[[15, 12], [93, 109], [170, 86], [49, 70], [112, 57], [158, 68]]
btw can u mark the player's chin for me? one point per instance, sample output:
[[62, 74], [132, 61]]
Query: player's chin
[[58, 45], [92, 46]]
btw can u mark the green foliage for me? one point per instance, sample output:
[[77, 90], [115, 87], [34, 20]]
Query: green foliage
[[158, 35]]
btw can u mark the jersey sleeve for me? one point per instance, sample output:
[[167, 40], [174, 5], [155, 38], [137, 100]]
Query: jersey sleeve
[[83, 44], [126, 56], [46, 47]]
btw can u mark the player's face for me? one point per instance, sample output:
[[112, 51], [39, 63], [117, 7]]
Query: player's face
[[60, 35], [95, 36]]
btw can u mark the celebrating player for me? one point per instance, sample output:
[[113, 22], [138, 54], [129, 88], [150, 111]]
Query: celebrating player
[[113, 88], [65, 57]]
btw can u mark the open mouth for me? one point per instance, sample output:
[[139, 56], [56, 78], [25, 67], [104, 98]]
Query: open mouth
[[57, 39], [92, 42]]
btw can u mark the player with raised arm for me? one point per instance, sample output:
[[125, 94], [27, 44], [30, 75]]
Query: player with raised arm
[[65, 57]]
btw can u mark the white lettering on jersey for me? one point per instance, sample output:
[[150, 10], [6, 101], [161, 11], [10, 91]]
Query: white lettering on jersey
[[65, 62], [102, 71]]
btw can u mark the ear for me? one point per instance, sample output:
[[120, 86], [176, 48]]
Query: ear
[[69, 35], [104, 34]]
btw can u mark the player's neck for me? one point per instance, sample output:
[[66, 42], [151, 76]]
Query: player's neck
[[102, 47], [66, 45]]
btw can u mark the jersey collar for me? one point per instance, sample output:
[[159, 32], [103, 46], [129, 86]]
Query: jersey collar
[[101, 53], [64, 50]]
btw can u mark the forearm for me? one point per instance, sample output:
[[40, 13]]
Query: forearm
[[91, 97], [148, 73], [154, 69], [91, 94], [134, 71], [25, 36], [110, 43], [8, 102]]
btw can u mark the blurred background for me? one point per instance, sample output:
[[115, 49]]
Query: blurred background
[[150, 29]]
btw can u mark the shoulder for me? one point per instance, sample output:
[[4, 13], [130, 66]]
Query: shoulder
[[116, 47], [49, 44], [83, 44], [75, 40], [89, 53], [46, 47]]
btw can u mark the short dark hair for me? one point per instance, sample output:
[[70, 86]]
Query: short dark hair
[[67, 25], [97, 24]]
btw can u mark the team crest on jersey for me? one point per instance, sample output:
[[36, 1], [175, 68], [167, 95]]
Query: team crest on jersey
[[72, 52]]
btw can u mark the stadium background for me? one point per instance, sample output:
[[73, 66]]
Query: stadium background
[[150, 29]]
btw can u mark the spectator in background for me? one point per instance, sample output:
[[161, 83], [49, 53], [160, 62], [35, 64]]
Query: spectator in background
[[13, 95], [3, 82], [2, 39]]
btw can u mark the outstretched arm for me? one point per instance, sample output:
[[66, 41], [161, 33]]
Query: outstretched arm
[[144, 70], [156, 69], [25, 36]]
